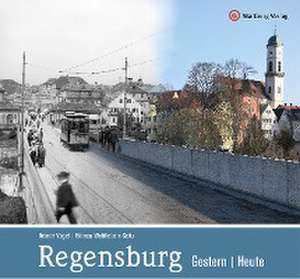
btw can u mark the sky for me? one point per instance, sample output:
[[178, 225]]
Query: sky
[[161, 38], [59, 34], [204, 33]]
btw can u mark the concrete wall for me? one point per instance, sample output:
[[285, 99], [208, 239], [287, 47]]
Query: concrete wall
[[273, 180]]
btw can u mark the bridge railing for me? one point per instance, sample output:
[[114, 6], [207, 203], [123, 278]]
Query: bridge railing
[[273, 180]]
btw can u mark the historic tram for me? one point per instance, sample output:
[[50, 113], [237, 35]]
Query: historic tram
[[94, 127], [75, 131]]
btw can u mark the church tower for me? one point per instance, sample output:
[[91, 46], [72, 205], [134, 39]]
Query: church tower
[[274, 84]]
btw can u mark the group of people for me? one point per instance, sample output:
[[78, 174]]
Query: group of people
[[109, 138], [65, 198], [37, 149]]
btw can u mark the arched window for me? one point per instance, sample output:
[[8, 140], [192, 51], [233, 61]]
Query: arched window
[[279, 66], [270, 66], [270, 90]]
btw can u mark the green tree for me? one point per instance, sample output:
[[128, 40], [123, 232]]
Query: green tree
[[190, 127], [286, 142], [254, 143]]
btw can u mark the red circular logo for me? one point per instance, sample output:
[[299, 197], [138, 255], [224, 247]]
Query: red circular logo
[[234, 15]]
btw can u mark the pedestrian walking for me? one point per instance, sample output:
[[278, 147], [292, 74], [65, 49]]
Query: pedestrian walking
[[41, 155], [38, 123], [41, 135], [30, 137], [33, 153], [65, 198], [106, 137], [113, 139]]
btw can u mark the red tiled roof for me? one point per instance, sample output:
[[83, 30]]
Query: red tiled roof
[[291, 107]]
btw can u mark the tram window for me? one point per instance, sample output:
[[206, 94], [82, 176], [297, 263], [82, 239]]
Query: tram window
[[83, 127]]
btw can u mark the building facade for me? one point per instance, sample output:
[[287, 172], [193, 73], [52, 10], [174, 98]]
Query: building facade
[[115, 109], [274, 77], [268, 121], [81, 96], [9, 144]]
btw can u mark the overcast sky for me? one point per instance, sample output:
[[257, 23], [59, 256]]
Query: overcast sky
[[58, 34]]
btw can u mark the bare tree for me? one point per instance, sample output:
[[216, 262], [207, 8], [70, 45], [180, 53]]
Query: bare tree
[[247, 70], [234, 68], [202, 78]]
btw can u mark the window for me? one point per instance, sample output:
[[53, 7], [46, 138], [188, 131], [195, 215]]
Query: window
[[279, 66], [9, 119], [129, 101], [114, 120], [270, 66], [121, 101], [279, 90], [270, 90]]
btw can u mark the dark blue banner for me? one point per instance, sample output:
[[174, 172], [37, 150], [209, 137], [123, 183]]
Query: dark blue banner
[[149, 252]]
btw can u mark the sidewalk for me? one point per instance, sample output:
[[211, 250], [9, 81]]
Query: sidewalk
[[50, 186]]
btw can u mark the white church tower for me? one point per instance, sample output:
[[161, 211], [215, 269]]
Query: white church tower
[[274, 84]]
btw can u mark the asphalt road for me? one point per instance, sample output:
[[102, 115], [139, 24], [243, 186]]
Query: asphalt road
[[114, 190]]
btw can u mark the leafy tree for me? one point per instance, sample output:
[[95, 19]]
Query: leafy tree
[[238, 114], [254, 143], [190, 127], [285, 141], [281, 147], [223, 115]]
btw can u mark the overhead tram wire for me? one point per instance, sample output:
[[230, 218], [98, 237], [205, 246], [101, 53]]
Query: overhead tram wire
[[111, 52], [113, 69], [95, 72]]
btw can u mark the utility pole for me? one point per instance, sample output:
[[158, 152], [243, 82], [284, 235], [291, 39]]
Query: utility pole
[[21, 185], [125, 98]]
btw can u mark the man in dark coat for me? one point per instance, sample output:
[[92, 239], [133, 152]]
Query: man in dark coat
[[33, 153], [65, 199], [114, 139], [41, 155], [30, 137], [41, 135]]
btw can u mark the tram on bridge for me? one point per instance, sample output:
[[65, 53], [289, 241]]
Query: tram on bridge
[[75, 131]]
